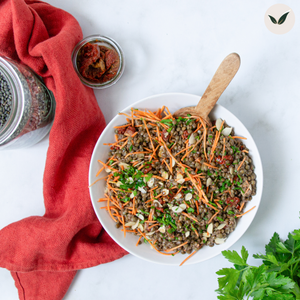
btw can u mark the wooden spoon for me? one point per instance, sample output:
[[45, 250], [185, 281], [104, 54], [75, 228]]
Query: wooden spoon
[[216, 87]]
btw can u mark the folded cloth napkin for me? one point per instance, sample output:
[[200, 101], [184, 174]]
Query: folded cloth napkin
[[43, 253]]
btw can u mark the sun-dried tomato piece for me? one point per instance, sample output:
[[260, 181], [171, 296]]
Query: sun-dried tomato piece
[[130, 131], [185, 135], [121, 130], [233, 201], [114, 148], [160, 209], [147, 169], [165, 135]]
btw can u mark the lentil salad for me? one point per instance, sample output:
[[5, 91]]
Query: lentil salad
[[176, 183]]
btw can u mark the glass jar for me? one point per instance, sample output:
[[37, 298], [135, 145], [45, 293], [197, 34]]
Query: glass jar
[[112, 73], [26, 105]]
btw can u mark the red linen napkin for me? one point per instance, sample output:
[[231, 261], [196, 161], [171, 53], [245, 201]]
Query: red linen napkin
[[43, 253]]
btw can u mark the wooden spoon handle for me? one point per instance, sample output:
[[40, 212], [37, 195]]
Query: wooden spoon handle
[[218, 84]]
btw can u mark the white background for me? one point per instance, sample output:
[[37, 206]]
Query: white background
[[176, 46]]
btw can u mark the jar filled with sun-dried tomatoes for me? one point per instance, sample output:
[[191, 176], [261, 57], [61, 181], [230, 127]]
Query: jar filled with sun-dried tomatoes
[[98, 61]]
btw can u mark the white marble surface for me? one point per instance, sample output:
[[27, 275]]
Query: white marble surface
[[176, 46]]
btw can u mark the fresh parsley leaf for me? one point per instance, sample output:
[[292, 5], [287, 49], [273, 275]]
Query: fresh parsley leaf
[[235, 258], [148, 177]]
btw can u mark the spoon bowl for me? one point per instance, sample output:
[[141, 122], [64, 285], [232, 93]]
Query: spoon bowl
[[223, 76]]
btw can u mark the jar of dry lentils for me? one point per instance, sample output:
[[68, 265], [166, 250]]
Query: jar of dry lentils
[[26, 106]]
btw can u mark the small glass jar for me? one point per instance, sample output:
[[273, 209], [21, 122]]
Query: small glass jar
[[106, 43], [29, 106]]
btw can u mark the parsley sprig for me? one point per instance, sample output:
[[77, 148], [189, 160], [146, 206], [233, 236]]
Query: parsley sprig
[[278, 276]]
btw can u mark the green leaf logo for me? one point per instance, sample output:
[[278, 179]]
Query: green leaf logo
[[272, 19], [281, 19]]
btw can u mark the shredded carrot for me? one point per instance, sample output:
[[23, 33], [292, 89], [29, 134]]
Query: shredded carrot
[[210, 166], [204, 137], [179, 191], [97, 180], [151, 214], [128, 231], [215, 144], [241, 208], [108, 209], [154, 188], [141, 167], [124, 226], [153, 115], [153, 153], [188, 216], [138, 240], [211, 206], [177, 246], [186, 204], [217, 202], [238, 137], [153, 225], [124, 145], [122, 126], [132, 124], [188, 258], [245, 212], [169, 113], [159, 177], [158, 113], [107, 166], [148, 133], [241, 163], [213, 216], [182, 150], [197, 206], [102, 199], [161, 194], [100, 171], [247, 189], [194, 229], [173, 146], [149, 200], [133, 208], [136, 163], [164, 161], [140, 152], [200, 191], [224, 143], [153, 245]]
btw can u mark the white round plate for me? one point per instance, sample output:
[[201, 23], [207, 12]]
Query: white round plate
[[173, 101]]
